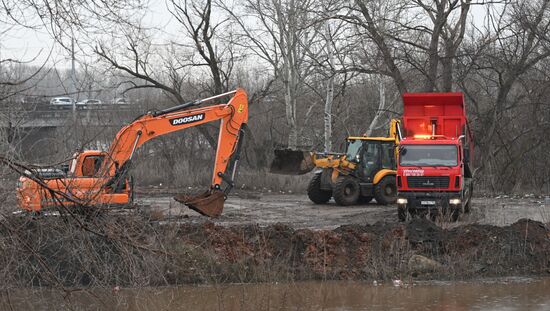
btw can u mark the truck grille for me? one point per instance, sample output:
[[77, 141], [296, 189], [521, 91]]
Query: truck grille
[[428, 181]]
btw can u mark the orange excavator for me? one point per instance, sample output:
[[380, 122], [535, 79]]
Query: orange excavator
[[99, 178]]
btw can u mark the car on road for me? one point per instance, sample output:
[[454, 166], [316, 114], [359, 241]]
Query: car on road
[[120, 101], [62, 102], [89, 103]]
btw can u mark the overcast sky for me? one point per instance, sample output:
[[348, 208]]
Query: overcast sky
[[29, 44]]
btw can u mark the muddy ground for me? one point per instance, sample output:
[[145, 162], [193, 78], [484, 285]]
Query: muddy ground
[[297, 211]]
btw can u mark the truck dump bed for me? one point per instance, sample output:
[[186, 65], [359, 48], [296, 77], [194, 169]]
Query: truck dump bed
[[433, 114]]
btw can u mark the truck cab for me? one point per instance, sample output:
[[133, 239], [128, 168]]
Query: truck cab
[[433, 165]]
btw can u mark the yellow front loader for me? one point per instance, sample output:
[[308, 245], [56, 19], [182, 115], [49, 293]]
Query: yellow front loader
[[364, 171]]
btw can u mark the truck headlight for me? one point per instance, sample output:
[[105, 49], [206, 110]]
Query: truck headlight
[[402, 201], [454, 201]]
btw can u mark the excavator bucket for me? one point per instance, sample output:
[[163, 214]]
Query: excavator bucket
[[291, 162], [208, 204]]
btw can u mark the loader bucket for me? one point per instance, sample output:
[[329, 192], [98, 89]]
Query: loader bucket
[[208, 204], [291, 162]]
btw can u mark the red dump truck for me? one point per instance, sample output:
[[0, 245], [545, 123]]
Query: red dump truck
[[434, 168]]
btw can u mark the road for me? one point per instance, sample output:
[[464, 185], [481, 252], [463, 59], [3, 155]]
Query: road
[[297, 211]]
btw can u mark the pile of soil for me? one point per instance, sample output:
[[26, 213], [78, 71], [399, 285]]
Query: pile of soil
[[136, 252], [379, 251]]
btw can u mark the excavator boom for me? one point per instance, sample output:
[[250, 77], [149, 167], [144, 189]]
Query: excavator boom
[[233, 116]]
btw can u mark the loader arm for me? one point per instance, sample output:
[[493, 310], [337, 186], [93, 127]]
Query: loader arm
[[233, 117]]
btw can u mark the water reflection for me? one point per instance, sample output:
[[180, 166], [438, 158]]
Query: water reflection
[[511, 294]]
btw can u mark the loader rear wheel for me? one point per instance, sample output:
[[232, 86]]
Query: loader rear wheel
[[385, 192], [315, 193], [346, 190]]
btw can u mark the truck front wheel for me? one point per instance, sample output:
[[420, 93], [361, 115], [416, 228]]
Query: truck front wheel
[[346, 190], [385, 192], [315, 193]]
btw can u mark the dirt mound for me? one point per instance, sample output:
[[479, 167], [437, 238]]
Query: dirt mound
[[54, 252], [381, 250]]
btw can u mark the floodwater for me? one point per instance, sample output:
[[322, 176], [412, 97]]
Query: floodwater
[[499, 294]]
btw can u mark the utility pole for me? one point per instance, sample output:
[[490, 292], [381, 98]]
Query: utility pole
[[73, 75]]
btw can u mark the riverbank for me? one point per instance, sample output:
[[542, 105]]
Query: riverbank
[[135, 252], [418, 249]]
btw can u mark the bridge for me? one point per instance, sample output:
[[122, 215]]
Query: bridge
[[45, 116], [43, 130]]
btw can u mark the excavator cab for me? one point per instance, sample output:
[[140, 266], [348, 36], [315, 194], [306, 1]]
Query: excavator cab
[[91, 165]]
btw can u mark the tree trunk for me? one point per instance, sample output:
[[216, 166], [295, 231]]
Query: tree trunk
[[447, 70], [290, 105], [381, 106], [387, 54], [330, 94]]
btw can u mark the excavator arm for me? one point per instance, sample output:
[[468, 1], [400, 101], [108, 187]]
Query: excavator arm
[[233, 117]]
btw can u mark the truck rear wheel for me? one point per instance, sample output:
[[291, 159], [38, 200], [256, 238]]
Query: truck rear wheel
[[385, 192], [315, 193], [346, 190]]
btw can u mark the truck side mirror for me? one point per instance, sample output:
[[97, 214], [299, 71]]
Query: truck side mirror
[[466, 155]]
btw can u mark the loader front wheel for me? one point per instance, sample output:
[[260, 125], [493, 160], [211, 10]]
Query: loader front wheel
[[385, 192], [315, 193], [346, 190]]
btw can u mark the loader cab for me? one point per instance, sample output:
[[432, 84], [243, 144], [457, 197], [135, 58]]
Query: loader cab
[[371, 155]]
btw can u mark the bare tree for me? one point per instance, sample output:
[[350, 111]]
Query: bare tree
[[136, 64], [506, 56], [285, 28], [196, 18]]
